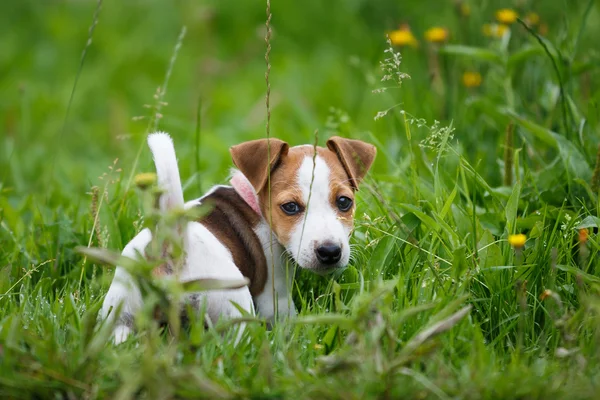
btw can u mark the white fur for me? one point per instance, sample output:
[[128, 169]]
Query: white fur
[[269, 302], [167, 170], [123, 289], [205, 256], [320, 224]]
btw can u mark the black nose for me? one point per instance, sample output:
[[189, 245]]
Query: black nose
[[329, 253]]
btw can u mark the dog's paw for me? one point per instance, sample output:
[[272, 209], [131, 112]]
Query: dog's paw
[[121, 334]]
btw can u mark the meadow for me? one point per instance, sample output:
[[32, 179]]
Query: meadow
[[476, 273]]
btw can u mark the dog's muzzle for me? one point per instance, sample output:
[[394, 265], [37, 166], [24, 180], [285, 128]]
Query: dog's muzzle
[[329, 253]]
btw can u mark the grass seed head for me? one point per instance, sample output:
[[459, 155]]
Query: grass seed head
[[145, 180]]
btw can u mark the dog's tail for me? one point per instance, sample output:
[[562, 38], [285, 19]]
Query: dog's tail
[[167, 171]]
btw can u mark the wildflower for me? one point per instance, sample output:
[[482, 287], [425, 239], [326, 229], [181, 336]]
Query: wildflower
[[495, 30], [532, 19], [517, 241], [506, 16], [436, 34], [471, 79], [144, 180], [584, 253], [438, 138], [545, 294], [403, 37], [583, 235], [565, 225]]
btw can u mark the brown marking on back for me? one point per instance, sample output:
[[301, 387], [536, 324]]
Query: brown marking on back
[[231, 221]]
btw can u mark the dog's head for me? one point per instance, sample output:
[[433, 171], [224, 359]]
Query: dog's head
[[310, 200]]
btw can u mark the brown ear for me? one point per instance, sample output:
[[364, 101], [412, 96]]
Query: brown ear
[[355, 155], [251, 158]]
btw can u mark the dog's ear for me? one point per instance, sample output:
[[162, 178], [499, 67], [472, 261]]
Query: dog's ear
[[251, 159], [355, 155]]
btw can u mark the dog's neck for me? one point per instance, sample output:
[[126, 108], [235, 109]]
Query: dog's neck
[[278, 279]]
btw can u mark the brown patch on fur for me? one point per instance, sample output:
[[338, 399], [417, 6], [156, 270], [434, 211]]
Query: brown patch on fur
[[161, 270], [231, 221], [284, 189], [165, 268], [251, 158], [339, 185], [356, 157]]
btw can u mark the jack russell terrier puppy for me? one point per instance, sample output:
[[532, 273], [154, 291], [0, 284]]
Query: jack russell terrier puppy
[[297, 203]]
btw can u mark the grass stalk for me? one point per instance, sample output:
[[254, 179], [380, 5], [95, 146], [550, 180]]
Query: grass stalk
[[509, 154], [595, 183]]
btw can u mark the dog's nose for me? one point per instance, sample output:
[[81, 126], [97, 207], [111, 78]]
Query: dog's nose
[[329, 253]]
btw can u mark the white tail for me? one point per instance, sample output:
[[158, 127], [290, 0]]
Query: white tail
[[167, 171]]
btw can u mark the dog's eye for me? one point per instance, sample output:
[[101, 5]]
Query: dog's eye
[[291, 208], [344, 203]]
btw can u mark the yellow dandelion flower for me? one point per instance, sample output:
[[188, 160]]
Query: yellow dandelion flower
[[144, 180], [517, 241], [471, 79], [506, 16], [532, 19], [495, 30], [436, 34], [583, 235], [403, 37]]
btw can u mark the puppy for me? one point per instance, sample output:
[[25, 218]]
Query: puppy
[[282, 201]]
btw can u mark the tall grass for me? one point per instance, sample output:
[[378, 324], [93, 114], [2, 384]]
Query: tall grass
[[437, 303]]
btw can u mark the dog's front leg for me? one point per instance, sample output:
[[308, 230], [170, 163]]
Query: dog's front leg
[[124, 292], [276, 298], [268, 305]]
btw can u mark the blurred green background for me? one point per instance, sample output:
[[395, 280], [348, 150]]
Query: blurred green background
[[324, 55], [325, 64], [433, 218]]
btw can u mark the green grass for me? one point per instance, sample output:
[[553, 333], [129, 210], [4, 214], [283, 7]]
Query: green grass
[[436, 303]]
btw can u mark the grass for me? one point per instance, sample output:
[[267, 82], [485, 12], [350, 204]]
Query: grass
[[436, 303]]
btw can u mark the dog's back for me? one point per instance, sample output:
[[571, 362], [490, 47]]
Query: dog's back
[[206, 257]]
